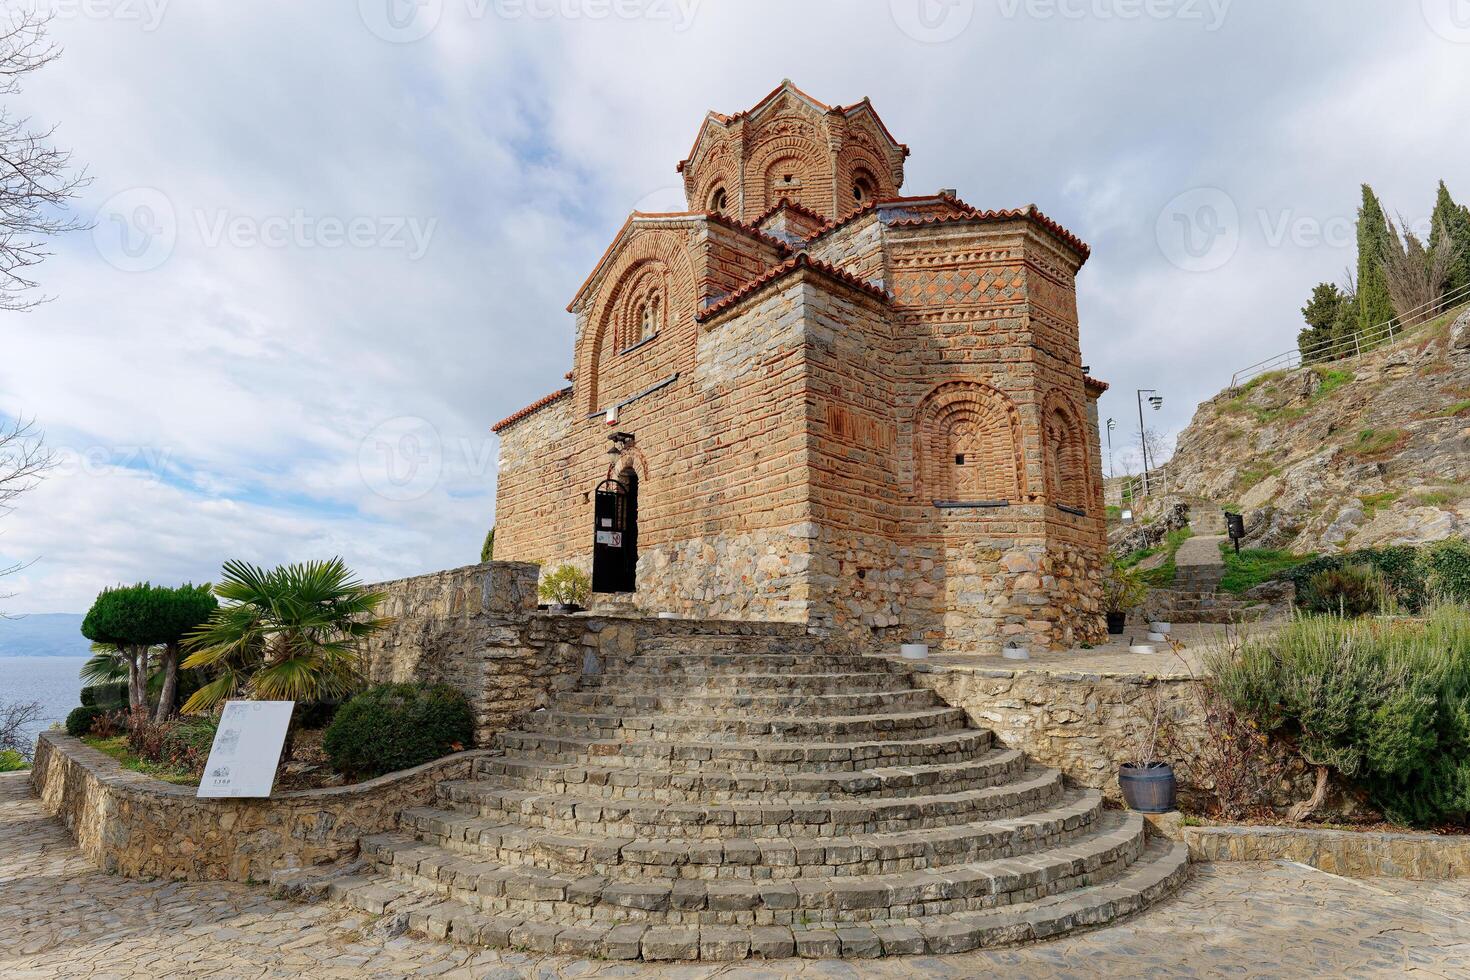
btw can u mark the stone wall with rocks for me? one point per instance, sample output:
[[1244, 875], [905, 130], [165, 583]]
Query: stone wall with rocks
[[131, 824], [1352, 853]]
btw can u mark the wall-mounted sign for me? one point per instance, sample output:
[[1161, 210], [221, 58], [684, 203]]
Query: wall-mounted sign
[[246, 749], [613, 539]]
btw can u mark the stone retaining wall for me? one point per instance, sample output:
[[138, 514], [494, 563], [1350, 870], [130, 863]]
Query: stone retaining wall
[[1352, 853], [131, 824]]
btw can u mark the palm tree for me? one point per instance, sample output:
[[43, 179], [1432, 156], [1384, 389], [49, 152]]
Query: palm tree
[[293, 633]]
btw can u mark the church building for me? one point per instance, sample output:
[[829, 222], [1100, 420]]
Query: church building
[[812, 398]]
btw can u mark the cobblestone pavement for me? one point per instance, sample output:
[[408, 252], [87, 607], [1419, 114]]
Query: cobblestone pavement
[[59, 917]]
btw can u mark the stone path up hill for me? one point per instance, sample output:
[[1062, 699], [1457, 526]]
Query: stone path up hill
[[1351, 454], [723, 796]]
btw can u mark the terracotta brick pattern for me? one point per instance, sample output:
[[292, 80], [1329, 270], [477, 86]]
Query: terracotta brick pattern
[[815, 386]]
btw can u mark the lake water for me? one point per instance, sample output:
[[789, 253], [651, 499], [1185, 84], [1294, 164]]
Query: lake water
[[52, 681]]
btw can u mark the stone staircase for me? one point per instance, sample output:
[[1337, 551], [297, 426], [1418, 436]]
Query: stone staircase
[[719, 797]]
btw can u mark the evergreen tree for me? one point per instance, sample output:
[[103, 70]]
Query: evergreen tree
[[487, 550], [1321, 314], [1374, 306], [1452, 224]]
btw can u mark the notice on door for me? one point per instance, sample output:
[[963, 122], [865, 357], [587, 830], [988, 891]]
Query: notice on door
[[246, 750], [613, 539]]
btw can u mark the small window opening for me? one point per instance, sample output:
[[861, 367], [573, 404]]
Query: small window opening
[[959, 459], [719, 201]]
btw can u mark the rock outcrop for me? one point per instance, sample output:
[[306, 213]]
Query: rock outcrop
[[1357, 453]]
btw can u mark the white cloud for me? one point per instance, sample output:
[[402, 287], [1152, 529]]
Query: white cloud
[[253, 373]]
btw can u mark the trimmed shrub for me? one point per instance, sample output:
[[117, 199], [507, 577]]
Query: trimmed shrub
[[398, 726], [1386, 705], [1447, 570], [79, 722], [1353, 590], [109, 697], [1402, 571], [12, 761]]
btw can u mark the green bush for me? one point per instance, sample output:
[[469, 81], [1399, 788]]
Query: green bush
[[398, 726], [1447, 570], [186, 742], [79, 722], [1401, 567], [1384, 704], [12, 761], [1353, 590], [112, 697]]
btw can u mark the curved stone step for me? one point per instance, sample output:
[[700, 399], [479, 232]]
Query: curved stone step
[[1103, 852], [620, 699], [1036, 789], [770, 757], [670, 785], [761, 663], [773, 858], [832, 728], [816, 682]]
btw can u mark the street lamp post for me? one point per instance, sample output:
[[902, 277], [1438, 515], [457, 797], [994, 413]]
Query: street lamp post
[[1112, 424], [1157, 401]]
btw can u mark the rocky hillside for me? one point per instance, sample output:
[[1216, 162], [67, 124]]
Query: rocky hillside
[[1351, 454]]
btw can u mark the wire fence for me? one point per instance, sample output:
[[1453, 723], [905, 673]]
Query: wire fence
[[1360, 343]]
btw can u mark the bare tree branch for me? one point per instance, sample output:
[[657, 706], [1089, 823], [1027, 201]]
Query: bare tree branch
[[36, 183], [1416, 275], [24, 460], [15, 718]]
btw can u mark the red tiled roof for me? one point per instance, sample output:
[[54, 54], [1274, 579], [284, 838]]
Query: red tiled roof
[[1095, 385], [530, 409], [788, 204], [799, 261], [749, 229], [1028, 213], [889, 202]]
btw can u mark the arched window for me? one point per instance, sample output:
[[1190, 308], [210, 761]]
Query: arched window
[[863, 188], [719, 201], [967, 446], [1065, 457]]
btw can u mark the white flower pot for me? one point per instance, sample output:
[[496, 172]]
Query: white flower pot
[[1158, 637], [914, 651], [1016, 653], [1143, 648], [1161, 627]]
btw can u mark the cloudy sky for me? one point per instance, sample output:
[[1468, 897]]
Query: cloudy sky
[[334, 240]]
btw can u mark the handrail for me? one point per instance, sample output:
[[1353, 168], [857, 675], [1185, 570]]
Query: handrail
[[1355, 346]]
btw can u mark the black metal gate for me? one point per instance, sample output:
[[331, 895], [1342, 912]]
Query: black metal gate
[[615, 545]]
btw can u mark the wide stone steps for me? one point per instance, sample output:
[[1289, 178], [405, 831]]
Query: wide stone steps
[[622, 700], [1110, 846], [683, 785], [1037, 789], [1160, 870], [753, 794], [755, 859], [668, 727], [766, 757]]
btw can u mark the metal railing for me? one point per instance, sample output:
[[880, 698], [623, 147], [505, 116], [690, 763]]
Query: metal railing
[[1131, 488], [1356, 345]]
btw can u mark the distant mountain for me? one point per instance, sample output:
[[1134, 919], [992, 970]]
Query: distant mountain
[[44, 635]]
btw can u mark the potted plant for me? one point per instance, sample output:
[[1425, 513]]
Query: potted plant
[[567, 589], [1123, 590], [1148, 783]]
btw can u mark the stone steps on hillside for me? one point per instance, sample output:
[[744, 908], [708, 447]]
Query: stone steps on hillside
[[730, 795]]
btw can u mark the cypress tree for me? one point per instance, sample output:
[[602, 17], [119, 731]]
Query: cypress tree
[[1374, 306], [1452, 223], [1321, 313]]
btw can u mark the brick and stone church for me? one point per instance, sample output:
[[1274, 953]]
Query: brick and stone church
[[811, 398]]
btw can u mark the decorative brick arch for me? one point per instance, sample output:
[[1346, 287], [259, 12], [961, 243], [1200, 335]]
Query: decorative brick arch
[[1064, 452], [969, 445], [654, 258], [855, 161], [718, 170], [806, 160]]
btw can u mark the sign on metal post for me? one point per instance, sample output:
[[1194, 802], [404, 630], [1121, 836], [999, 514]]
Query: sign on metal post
[[247, 749]]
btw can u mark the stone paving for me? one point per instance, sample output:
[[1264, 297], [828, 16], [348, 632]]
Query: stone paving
[[61, 918]]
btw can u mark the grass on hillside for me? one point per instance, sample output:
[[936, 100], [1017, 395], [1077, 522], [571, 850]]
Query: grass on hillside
[[117, 747], [1377, 442], [1373, 502], [1163, 576], [1441, 496], [1253, 566]]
